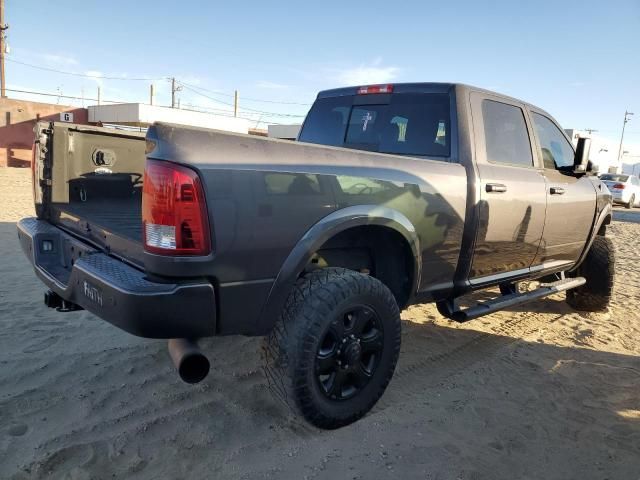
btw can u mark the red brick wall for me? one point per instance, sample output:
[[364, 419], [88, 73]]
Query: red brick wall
[[17, 118]]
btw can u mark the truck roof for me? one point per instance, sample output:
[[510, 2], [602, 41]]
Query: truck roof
[[423, 87]]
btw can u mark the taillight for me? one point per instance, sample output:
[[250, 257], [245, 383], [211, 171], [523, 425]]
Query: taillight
[[619, 186], [375, 89], [174, 213]]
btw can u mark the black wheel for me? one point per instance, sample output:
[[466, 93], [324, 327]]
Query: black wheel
[[632, 202], [334, 349], [598, 269]]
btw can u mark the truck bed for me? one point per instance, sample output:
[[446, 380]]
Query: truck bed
[[91, 185], [121, 217]]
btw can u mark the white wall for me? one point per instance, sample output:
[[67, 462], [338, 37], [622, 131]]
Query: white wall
[[284, 131], [147, 114], [603, 153]]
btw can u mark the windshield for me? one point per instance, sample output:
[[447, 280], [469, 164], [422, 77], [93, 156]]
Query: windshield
[[405, 124], [614, 178]]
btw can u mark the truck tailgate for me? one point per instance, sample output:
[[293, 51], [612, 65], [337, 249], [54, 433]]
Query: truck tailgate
[[89, 181]]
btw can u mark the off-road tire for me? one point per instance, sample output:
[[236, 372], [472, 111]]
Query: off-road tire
[[290, 350], [632, 202], [598, 269]]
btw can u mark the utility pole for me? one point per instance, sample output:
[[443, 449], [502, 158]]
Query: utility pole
[[235, 104], [99, 94], [151, 94], [627, 114], [3, 28], [173, 92], [174, 88]]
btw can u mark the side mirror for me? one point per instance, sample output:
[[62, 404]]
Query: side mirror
[[581, 160]]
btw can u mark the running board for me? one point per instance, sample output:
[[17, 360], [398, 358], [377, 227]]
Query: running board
[[449, 310]]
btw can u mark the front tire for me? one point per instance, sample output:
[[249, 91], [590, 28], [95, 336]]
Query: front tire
[[598, 268], [335, 346]]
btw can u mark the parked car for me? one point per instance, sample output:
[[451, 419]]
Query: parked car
[[625, 189], [393, 195]]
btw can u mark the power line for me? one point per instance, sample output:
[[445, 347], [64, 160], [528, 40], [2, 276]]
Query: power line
[[230, 95], [62, 96], [151, 79], [75, 74], [271, 114], [188, 87], [224, 113], [618, 130], [201, 109]]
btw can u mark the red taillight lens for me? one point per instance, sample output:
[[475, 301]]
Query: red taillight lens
[[375, 89], [174, 213], [619, 186]]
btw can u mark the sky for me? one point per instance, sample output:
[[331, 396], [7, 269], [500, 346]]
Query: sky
[[579, 60]]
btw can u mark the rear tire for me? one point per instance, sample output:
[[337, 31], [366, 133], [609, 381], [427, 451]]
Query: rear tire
[[335, 346], [632, 202], [598, 269]]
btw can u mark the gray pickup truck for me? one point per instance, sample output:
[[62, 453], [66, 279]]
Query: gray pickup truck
[[392, 195]]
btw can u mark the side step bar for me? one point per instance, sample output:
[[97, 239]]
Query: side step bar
[[449, 310]]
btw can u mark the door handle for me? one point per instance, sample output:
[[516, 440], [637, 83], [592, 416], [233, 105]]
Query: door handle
[[556, 191], [495, 187]]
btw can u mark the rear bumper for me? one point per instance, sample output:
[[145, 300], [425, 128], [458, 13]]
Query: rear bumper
[[620, 197], [115, 291]]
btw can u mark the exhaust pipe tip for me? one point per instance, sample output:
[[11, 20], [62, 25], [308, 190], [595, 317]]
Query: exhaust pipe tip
[[192, 365]]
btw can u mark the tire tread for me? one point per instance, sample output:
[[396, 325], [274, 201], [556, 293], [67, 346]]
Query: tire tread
[[598, 269], [291, 342]]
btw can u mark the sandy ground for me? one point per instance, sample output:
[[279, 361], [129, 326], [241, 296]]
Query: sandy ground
[[537, 393]]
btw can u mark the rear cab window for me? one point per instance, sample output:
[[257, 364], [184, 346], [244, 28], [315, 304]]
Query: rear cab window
[[614, 177], [413, 124]]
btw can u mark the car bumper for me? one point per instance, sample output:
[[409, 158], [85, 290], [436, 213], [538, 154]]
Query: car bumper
[[620, 197], [114, 290]]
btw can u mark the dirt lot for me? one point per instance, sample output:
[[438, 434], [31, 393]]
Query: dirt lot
[[541, 392]]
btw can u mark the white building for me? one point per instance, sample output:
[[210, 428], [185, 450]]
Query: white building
[[287, 132], [143, 115], [604, 152]]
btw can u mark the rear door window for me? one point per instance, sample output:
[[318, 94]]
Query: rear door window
[[506, 137], [408, 124]]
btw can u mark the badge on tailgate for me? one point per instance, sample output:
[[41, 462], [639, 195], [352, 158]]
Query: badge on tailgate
[[92, 292]]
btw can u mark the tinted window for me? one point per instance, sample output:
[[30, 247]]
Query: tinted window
[[506, 136], [557, 152], [614, 178], [326, 121], [407, 124]]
